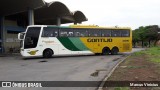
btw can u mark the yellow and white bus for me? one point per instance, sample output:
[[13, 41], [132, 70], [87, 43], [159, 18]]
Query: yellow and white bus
[[47, 40]]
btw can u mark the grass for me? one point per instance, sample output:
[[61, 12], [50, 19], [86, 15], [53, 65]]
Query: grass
[[139, 53], [152, 53], [121, 88]]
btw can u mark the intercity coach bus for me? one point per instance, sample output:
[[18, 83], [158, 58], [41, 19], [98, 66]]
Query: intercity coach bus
[[47, 40]]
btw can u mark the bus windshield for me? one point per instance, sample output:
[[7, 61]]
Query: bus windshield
[[31, 38]]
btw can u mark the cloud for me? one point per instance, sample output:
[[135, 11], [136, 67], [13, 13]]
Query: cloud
[[133, 13]]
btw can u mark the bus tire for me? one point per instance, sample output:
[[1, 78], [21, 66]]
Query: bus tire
[[47, 53], [114, 51], [105, 51]]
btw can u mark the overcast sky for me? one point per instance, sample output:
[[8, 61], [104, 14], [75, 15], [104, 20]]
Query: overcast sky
[[130, 13]]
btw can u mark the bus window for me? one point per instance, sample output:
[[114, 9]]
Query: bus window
[[106, 33], [116, 33], [66, 32], [80, 33], [77, 33], [94, 33], [50, 32], [125, 33], [70, 33]]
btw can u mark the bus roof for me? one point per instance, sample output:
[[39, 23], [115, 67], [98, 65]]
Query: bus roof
[[81, 26], [96, 26]]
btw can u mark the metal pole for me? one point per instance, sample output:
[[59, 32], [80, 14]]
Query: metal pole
[[58, 21], [2, 38], [31, 16]]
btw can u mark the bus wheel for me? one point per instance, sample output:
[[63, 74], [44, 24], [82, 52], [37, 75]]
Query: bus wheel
[[47, 53], [105, 51], [114, 51]]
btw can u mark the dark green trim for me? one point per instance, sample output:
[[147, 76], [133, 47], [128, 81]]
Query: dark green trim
[[68, 44], [78, 43]]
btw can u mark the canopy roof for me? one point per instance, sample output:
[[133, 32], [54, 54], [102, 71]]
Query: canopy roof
[[79, 17], [8, 7], [49, 13], [44, 13]]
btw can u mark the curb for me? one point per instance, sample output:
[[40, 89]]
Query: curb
[[110, 73]]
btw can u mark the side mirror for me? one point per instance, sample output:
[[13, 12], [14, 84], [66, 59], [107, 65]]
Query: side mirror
[[21, 36]]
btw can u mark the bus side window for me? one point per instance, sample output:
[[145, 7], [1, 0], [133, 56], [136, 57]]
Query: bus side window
[[66, 32], [63, 34], [116, 33], [84, 33], [80, 32], [70, 33], [97, 33], [56, 33], [106, 33], [76, 33], [49, 32], [46, 32], [91, 34], [94, 33], [125, 33]]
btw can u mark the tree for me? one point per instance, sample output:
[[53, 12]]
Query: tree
[[142, 34], [152, 34], [147, 33], [135, 37]]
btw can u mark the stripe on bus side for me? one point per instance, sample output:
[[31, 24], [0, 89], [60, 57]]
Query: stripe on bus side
[[73, 44], [68, 44], [78, 43]]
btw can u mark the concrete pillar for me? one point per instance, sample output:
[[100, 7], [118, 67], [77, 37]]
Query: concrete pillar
[[2, 33], [31, 16], [75, 23], [58, 21]]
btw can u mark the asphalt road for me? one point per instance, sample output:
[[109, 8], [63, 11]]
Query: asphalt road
[[65, 68]]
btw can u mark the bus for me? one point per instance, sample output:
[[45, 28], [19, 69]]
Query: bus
[[48, 40]]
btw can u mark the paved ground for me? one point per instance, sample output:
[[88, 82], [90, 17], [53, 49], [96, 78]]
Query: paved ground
[[77, 68]]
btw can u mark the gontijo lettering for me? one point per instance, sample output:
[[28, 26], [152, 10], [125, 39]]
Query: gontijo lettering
[[99, 40]]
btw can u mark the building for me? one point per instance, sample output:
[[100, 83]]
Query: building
[[16, 15]]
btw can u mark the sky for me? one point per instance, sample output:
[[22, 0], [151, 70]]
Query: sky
[[122, 13]]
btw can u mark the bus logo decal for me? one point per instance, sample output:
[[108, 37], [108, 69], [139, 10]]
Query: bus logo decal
[[33, 52]]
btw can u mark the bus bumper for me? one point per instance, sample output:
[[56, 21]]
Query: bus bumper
[[29, 52]]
